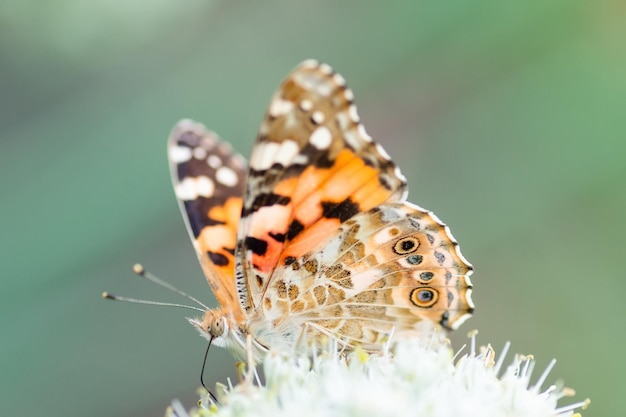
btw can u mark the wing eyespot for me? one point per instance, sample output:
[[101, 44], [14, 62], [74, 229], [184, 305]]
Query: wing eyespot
[[415, 259], [426, 276], [424, 297], [406, 245]]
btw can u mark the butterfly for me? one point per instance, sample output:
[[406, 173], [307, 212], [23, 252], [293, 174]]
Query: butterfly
[[313, 239]]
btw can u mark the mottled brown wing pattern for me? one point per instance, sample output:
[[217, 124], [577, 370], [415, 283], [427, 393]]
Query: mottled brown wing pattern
[[208, 180], [392, 269], [312, 168]]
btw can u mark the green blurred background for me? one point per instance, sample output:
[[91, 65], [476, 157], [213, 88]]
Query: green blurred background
[[507, 118]]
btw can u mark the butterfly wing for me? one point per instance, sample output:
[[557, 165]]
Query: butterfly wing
[[312, 167], [392, 269], [208, 180]]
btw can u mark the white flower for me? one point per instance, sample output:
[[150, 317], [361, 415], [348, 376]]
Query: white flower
[[420, 378]]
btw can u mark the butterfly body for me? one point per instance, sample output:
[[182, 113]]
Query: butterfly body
[[314, 241]]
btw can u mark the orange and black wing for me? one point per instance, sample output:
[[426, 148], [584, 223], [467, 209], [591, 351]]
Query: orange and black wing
[[209, 180], [312, 167]]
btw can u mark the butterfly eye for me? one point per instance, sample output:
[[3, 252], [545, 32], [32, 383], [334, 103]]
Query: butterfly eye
[[219, 327], [406, 245], [424, 297]]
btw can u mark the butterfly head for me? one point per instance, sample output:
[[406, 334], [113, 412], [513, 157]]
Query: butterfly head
[[220, 327], [214, 325]]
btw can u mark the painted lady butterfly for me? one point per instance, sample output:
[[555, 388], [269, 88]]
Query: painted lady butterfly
[[314, 241]]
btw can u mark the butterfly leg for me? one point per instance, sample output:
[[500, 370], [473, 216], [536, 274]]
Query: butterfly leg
[[318, 331]]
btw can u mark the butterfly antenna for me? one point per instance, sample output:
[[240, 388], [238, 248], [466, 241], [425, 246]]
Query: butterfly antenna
[[108, 296], [206, 355], [139, 270]]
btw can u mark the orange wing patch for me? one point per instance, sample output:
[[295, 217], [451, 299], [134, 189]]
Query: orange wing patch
[[218, 242], [340, 193], [322, 199]]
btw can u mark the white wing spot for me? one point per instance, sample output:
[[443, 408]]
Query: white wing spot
[[469, 294], [186, 189], [321, 138], [342, 120], [354, 115], [382, 151], [465, 316], [224, 147], [404, 195], [326, 69], [309, 63], [226, 176], [286, 152], [339, 79], [436, 219], [348, 94], [301, 159], [313, 82], [353, 140], [214, 161], [460, 255], [191, 126], [363, 133], [317, 117], [179, 154], [383, 236], [199, 153], [399, 174], [237, 161], [186, 124], [265, 154], [205, 186], [209, 141], [306, 105], [191, 188], [278, 107]]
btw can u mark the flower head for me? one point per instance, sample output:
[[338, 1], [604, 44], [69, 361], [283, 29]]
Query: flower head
[[418, 377]]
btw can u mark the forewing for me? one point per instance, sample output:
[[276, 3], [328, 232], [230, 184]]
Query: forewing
[[208, 180], [312, 168]]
